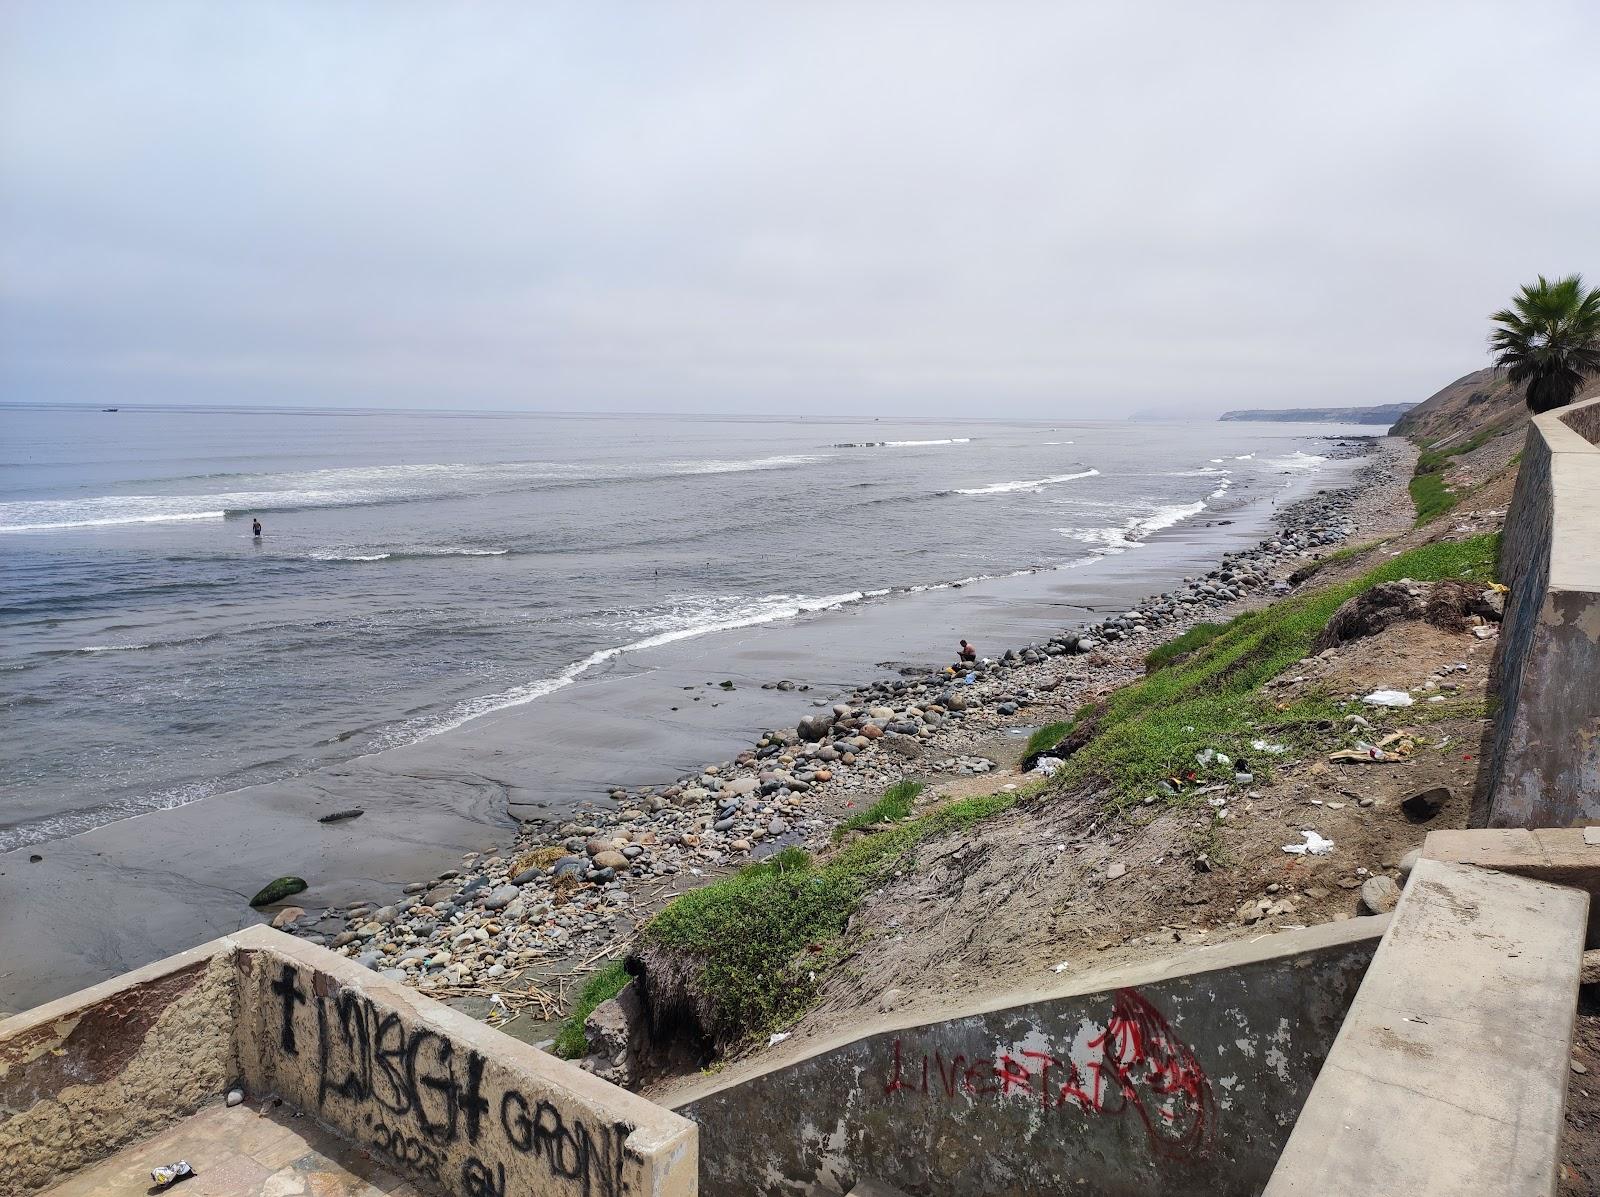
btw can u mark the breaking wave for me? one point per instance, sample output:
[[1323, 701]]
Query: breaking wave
[[1002, 488], [1117, 538]]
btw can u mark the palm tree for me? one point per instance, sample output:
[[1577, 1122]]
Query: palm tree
[[1549, 338]]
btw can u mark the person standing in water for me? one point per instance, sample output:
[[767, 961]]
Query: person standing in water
[[255, 528]]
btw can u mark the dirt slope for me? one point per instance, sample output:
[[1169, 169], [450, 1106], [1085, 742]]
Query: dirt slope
[[1476, 402]]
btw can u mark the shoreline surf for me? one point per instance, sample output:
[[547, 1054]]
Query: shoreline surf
[[747, 612], [165, 879]]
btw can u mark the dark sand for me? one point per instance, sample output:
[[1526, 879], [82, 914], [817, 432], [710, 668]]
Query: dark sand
[[124, 894]]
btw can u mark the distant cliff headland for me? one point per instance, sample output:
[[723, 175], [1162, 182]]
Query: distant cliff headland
[[1386, 413]]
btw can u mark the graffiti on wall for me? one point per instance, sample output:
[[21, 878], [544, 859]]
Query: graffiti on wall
[[1132, 1066], [423, 1100]]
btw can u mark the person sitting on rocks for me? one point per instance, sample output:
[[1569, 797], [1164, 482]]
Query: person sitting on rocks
[[968, 653]]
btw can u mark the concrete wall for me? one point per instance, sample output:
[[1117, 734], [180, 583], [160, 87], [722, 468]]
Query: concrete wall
[[1450, 1072], [1180, 1079], [1545, 770], [436, 1096], [84, 1075], [440, 1097]]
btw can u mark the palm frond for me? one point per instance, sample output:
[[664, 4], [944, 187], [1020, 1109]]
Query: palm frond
[[1549, 339]]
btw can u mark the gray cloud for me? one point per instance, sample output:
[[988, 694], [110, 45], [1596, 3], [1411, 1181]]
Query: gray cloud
[[1019, 209]]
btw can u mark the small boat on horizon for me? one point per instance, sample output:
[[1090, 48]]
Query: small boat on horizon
[[109, 409]]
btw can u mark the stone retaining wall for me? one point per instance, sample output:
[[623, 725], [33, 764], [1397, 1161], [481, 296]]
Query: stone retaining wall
[[1545, 769]]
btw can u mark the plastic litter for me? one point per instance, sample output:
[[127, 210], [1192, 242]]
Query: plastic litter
[[778, 1037], [1048, 765], [1388, 698], [1315, 845], [1364, 753], [166, 1175], [1396, 746], [1060, 968], [1263, 746]]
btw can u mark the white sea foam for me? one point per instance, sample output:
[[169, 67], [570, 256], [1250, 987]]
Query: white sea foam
[[111, 648], [1002, 488], [1132, 533], [752, 613], [740, 465], [55, 827], [100, 522], [348, 487], [924, 587], [1058, 442], [449, 551], [1296, 461], [959, 440], [1245, 457]]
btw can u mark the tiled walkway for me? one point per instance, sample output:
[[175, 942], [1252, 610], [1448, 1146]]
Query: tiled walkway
[[241, 1153]]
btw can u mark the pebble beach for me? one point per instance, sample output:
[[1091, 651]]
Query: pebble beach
[[560, 898]]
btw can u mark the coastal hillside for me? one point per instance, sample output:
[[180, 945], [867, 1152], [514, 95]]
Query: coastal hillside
[[1277, 764], [1383, 413], [1482, 401], [1469, 435]]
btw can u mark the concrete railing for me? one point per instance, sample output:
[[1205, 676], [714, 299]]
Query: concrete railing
[[1182, 1077], [433, 1095], [1545, 770], [1450, 1073]]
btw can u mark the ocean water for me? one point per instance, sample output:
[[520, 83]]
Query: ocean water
[[417, 570]]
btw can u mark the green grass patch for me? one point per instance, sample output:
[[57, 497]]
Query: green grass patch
[[1046, 738], [761, 935], [1345, 553], [1196, 637], [1154, 728], [894, 806], [1431, 460], [604, 985], [1431, 497], [1429, 494]]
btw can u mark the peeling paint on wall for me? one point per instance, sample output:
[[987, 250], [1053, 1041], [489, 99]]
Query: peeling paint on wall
[[1113, 1092]]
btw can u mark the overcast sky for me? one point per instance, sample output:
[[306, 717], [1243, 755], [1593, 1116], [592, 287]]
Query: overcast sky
[[953, 209]]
